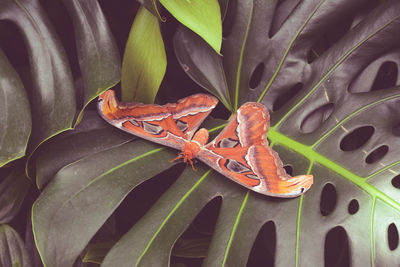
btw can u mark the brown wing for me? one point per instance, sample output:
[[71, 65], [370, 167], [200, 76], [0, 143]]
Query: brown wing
[[171, 124], [241, 152]]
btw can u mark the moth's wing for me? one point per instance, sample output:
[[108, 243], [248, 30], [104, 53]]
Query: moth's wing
[[171, 124], [191, 111], [151, 122], [241, 152]]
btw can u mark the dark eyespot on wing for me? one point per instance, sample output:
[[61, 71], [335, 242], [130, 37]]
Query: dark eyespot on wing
[[235, 166], [252, 176], [152, 128], [135, 123], [183, 126], [228, 142]]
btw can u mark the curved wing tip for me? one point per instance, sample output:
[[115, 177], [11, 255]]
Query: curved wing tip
[[107, 94], [254, 105], [297, 186], [304, 182], [212, 98]]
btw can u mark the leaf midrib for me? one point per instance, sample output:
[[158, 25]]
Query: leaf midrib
[[80, 191], [315, 157], [170, 214]]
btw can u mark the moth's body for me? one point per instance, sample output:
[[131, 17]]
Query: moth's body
[[240, 151], [192, 148]]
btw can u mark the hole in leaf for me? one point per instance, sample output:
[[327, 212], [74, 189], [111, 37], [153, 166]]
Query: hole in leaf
[[353, 206], [357, 138], [286, 96], [207, 218], [331, 35], [377, 154], [396, 130], [194, 242], [337, 251], [396, 181], [140, 200], [264, 247], [328, 199], [386, 76], [316, 118], [288, 169], [256, 76], [393, 236]]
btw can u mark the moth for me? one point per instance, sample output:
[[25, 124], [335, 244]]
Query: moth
[[239, 152]]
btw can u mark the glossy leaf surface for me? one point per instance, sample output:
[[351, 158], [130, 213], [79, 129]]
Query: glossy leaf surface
[[89, 137], [53, 98], [15, 123], [117, 170]]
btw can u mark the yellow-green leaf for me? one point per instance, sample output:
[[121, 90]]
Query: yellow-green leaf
[[201, 16], [144, 62]]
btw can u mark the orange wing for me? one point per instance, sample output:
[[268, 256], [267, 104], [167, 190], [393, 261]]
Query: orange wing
[[241, 152], [171, 124]]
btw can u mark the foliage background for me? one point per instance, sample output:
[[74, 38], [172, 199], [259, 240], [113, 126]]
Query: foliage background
[[344, 52]]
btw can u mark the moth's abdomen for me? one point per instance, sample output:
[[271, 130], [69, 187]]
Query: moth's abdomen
[[201, 136]]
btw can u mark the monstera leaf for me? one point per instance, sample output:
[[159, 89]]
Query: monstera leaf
[[43, 92], [327, 70], [53, 99]]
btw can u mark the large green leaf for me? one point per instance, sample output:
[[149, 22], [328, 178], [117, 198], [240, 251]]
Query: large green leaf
[[267, 57], [53, 96], [12, 250], [101, 181], [89, 137], [51, 85], [15, 121]]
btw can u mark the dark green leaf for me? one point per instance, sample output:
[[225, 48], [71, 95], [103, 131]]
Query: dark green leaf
[[97, 251], [98, 54], [89, 137], [157, 231], [202, 64], [15, 119], [12, 248], [53, 95], [85, 193], [191, 247], [13, 189]]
